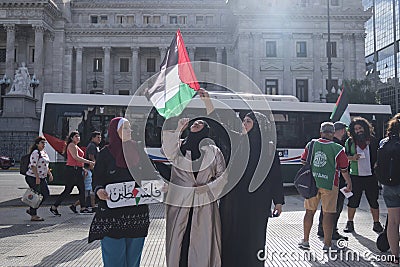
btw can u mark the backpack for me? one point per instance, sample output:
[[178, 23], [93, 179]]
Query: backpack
[[24, 163], [304, 180], [387, 168]]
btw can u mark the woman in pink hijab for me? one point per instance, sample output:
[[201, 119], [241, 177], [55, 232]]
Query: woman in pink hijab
[[121, 230]]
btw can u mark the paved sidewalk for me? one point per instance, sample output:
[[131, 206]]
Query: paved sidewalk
[[62, 241]]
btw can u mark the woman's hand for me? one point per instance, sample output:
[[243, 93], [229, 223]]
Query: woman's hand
[[182, 124], [164, 188], [51, 178], [91, 165], [37, 180], [102, 194], [203, 94], [277, 210]]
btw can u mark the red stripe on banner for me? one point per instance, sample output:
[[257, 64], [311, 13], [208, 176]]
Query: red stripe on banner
[[298, 157], [186, 73]]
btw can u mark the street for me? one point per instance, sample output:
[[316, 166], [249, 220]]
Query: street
[[62, 241]]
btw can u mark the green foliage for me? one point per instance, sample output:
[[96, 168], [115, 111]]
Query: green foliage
[[359, 92]]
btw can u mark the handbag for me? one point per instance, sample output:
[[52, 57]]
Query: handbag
[[32, 198], [304, 180]]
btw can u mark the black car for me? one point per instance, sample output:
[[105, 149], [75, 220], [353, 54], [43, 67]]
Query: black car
[[6, 162]]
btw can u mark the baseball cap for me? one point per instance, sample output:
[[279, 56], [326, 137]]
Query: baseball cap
[[339, 125], [327, 127]]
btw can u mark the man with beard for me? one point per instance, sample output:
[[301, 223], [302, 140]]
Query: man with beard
[[361, 149]]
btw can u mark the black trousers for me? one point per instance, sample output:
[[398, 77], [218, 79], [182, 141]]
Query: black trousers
[[74, 178], [43, 189]]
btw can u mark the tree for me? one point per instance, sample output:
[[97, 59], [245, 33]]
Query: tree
[[359, 92]]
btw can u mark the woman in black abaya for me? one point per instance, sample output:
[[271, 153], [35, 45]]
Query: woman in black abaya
[[244, 214]]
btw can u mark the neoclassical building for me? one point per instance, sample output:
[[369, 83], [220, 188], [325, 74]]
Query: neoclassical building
[[112, 46]]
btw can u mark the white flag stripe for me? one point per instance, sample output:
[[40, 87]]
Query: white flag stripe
[[172, 83]]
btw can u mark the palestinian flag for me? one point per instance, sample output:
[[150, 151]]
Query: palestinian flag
[[341, 110], [176, 84]]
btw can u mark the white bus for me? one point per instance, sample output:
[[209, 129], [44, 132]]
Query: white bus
[[296, 122]]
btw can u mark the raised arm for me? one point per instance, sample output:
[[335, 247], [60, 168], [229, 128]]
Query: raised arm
[[171, 140]]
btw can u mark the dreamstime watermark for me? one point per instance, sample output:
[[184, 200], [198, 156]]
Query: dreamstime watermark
[[339, 253]]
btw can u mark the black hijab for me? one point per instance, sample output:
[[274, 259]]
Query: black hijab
[[259, 160], [192, 141]]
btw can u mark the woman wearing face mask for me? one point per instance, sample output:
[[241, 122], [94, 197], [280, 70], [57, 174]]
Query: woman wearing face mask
[[244, 214], [197, 178], [122, 230]]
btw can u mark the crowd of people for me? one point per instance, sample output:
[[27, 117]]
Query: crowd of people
[[202, 213], [348, 162]]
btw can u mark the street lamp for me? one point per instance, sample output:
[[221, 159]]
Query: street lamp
[[34, 84], [329, 50], [4, 83]]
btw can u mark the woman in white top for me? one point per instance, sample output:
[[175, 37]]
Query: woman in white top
[[37, 173]]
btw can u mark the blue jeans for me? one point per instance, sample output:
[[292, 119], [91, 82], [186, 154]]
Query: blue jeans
[[123, 252]]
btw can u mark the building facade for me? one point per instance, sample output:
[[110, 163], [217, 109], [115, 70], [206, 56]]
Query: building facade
[[112, 47], [382, 49]]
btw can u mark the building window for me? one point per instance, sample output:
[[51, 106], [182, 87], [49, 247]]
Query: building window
[[146, 19], [271, 49], [97, 65], [151, 65], [271, 87], [335, 2], [333, 49], [204, 66], [209, 20], [173, 20], [302, 90], [32, 54], [130, 19], [301, 49], [103, 19], [199, 19], [123, 92], [94, 19], [304, 3], [334, 85], [3, 53], [124, 65], [182, 19], [156, 19], [120, 19]]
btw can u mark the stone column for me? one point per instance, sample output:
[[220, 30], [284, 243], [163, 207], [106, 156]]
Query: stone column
[[287, 86], [163, 52], [38, 65], [359, 64], [243, 53], [67, 71], [48, 62], [230, 61], [347, 46], [107, 68], [256, 60], [318, 85], [219, 76], [191, 50], [78, 70], [135, 69], [10, 59]]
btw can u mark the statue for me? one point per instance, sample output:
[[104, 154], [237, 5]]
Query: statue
[[21, 83]]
